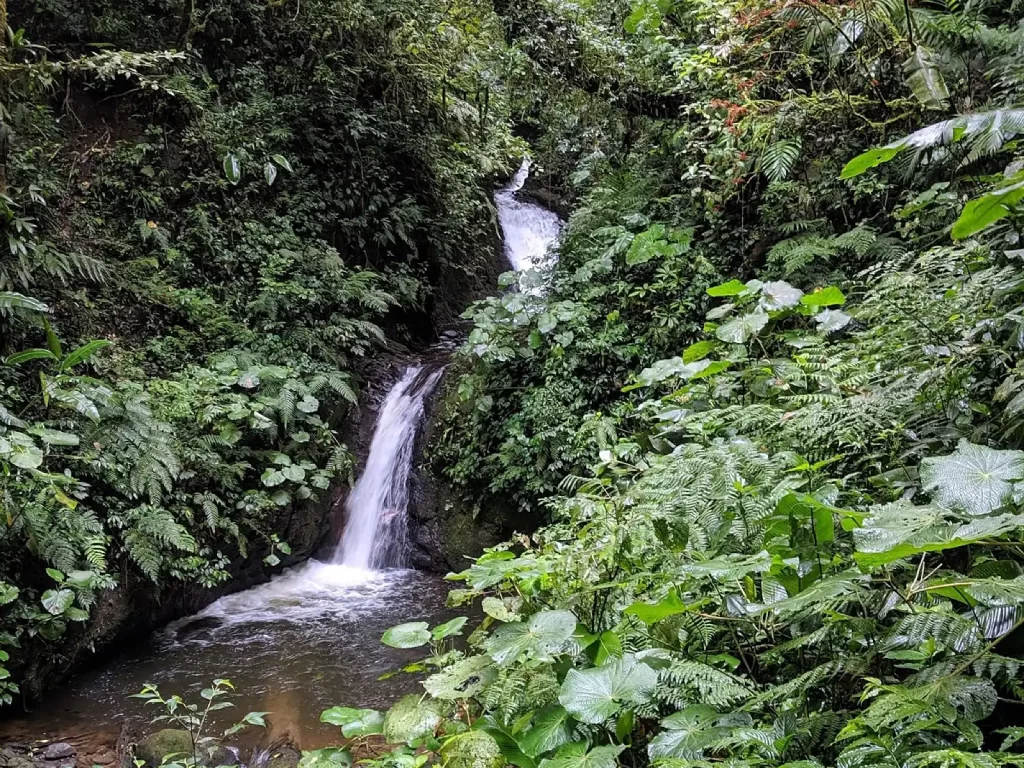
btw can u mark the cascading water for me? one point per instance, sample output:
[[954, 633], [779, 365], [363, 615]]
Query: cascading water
[[310, 638], [528, 229], [377, 532]]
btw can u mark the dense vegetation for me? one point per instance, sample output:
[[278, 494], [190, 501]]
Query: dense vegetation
[[211, 212], [771, 402]]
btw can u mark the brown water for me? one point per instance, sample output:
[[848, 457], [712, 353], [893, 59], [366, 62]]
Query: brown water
[[306, 641]]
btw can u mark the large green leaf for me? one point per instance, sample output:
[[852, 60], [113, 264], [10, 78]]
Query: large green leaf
[[463, 679], [29, 355], [412, 634], [740, 329], [577, 755], [974, 479], [552, 727], [57, 601], [499, 609], [410, 718], [83, 353], [900, 530], [472, 749], [232, 168], [731, 288], [986, 210], [11, 300], [831, 320], [649, 613], [541, 637], [25, 454], [673, 367], [8, 593], [687, 733], [925, 79], [779, 295], [595, 694], [448, 629], [826, 297], [354, 722], [871, 159]]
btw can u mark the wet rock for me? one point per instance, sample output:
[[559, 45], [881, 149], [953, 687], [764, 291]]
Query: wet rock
[[103, 757], [152, 749], [59, 751], [15, 756], [284, 757]]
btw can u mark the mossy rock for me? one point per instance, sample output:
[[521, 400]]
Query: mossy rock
[[172, 741], [169, 741]]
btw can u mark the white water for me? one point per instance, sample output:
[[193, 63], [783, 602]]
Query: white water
[[376, 534], [529, 229]]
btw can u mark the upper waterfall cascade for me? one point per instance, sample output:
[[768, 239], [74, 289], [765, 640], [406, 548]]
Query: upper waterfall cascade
[[529, 229]]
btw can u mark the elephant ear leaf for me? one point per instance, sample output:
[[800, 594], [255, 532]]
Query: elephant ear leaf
[[463, 679], [354, 722], [975, 479], [552, 727], [593, 695], [543, 635], [410, 635], [472, 749], [984, 211], [410, 718], [576, 755]]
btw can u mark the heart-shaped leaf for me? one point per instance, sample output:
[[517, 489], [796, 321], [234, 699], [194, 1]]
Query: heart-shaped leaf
[[412, 634], [541, 637], [593, 695]]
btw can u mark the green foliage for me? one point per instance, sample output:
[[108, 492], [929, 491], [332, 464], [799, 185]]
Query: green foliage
[[194, 719], [217, 255], [781, 463]]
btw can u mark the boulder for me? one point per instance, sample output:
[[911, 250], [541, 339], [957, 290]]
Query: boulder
[[152, 749], [58, 751]]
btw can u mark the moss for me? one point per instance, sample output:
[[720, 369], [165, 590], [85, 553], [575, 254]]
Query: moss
[[152, 749]]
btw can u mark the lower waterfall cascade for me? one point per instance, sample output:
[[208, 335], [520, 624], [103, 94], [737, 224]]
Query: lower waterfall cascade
[[377, 528]]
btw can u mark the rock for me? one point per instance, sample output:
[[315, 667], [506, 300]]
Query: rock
[[284, 757], [59, 751], [152, 749], [15, 756], [103, 757]]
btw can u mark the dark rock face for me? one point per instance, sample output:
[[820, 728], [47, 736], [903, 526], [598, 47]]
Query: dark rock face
[[445, 530]]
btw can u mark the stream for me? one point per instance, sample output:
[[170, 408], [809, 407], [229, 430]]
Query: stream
[[310, 638]]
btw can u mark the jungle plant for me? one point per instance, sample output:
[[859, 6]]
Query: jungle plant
[[196, 718]]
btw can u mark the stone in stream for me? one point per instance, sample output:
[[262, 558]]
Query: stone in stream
[[59, 751], [155, 747]]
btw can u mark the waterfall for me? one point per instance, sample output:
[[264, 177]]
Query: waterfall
[[377, 529], [529, 229]]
